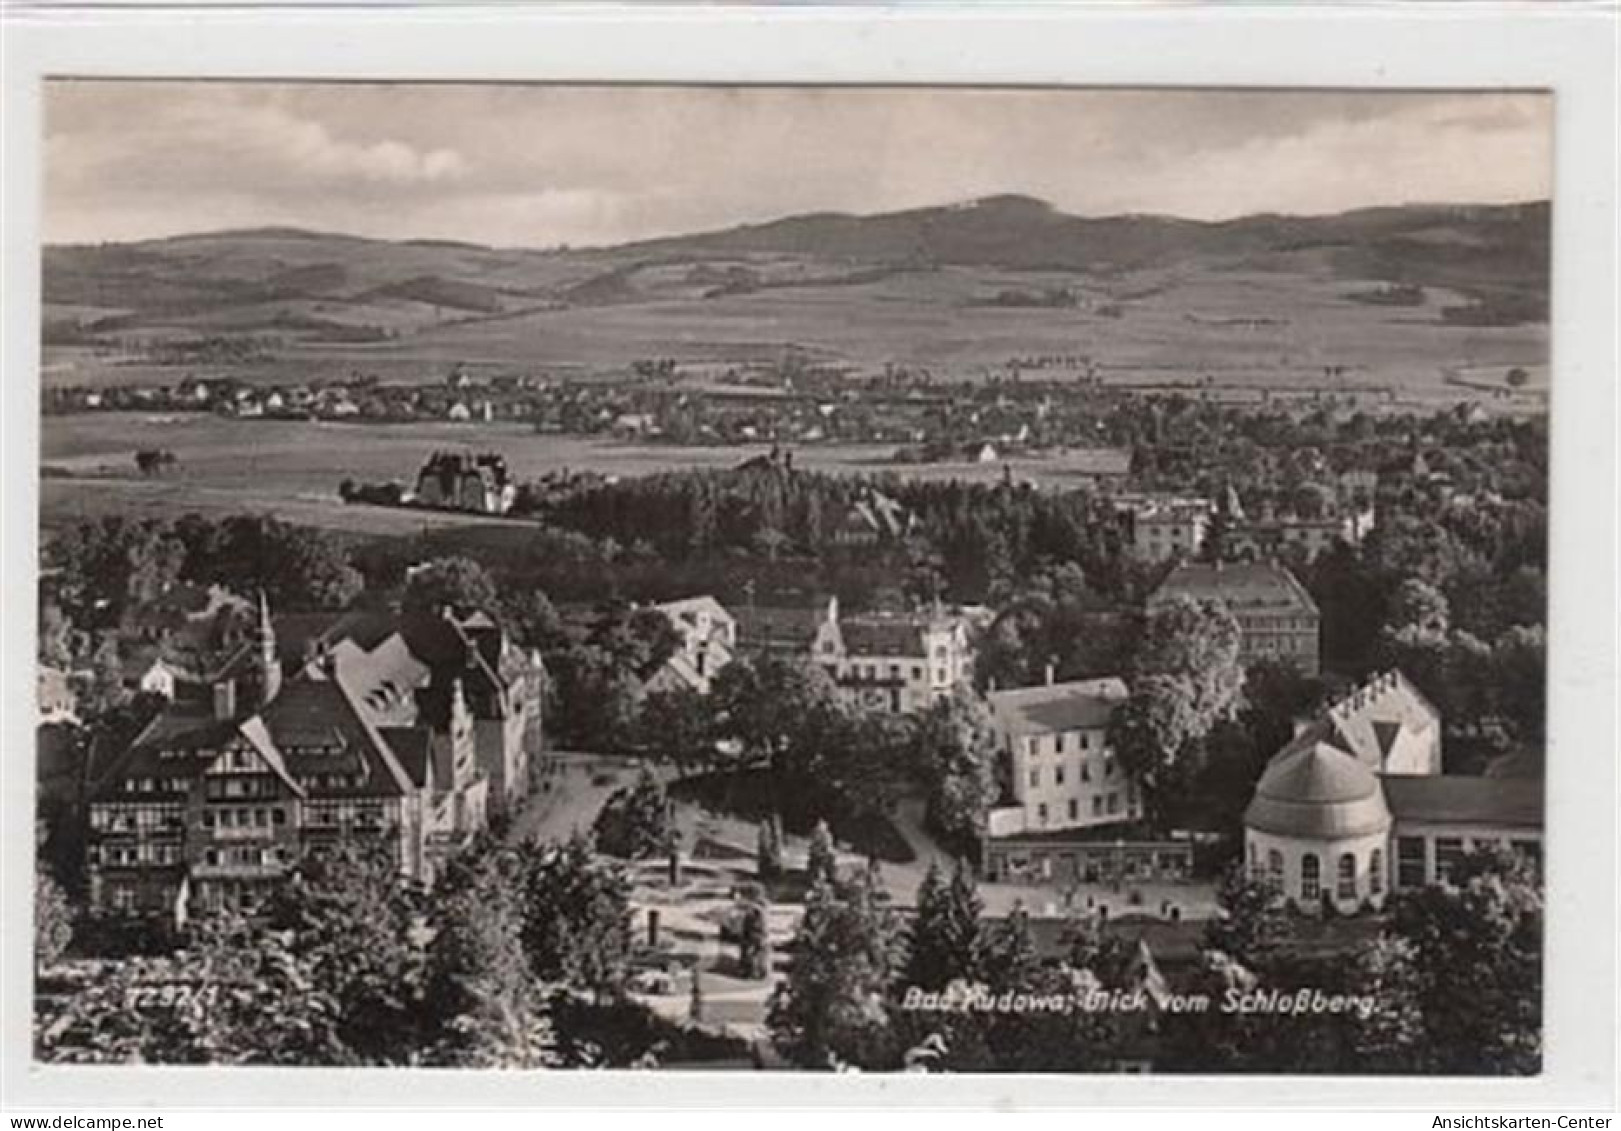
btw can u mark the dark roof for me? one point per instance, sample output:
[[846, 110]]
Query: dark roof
[[874, 637], [1239, 584], [1076, 705], [1513, 802], [413, 747], [790, 625]]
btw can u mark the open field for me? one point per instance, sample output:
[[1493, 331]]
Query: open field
[[1276, 330], [293, 468]]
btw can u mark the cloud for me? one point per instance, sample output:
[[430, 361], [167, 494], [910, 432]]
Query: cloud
[[513, 164]]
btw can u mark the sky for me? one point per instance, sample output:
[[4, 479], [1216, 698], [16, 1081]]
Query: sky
[[539, 166]]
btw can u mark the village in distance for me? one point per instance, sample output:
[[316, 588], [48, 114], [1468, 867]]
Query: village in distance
[[798, 707]]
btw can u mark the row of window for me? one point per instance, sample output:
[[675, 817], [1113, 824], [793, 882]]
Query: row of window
[[366, 814], [1103, 805], [240, 787], [134, 855], [1086, 772], [1311, 878], [1083, 740], [155, 785], [245, 856], [136, 818], [1412, 857], [243, 817]]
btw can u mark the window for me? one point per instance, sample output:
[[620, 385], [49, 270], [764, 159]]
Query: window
[[278, 816], [1114, 803], [917, 671], [1034, 744], [1097, 805], [1108, 765], [1274, 869], [1376, 872], [1448, 853], [1035, 778], [1086, 771], [1411, 866], [1058, 743], [1041, 812], [1346, 887], [1074, 809], [1311, 885], [1531, 851], [1058, 774]]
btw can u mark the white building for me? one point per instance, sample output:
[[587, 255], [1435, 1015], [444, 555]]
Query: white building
[[1356, 805], [708, 643], [897, 662], [1062, 772]]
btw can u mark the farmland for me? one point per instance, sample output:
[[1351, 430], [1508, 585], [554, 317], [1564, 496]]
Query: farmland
[[294, 467]]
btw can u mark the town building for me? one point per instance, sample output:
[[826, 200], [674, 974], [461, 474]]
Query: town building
[[461, 481], [873, 520], [1356, 804], [709, 640], [234, 782], [1278, 535], [1158, 528], [56, 700], [1061, 770], [896, 662], [1070, 811], [1277, 618], [410, 666]]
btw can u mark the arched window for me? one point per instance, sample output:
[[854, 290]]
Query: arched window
[[1274, 868], [1376, 872], [1255, 853], [1311, 879], [1346, 889]]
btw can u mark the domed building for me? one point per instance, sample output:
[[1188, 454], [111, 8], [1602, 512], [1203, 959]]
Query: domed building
[[1318, 828]]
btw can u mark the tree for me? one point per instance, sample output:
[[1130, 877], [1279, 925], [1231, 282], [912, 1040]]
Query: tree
[[455, 582], [53, 920], [533, 619], [354, 923], [634, 823], [1252, 925], [1421, 606], [954, 749], [831, 1005], [1197, 642], [233, 995], [489, 1010], [1157, 734], [945, 939], [576, 916], [677, 725], [821, 858], [1010, 951], [1467, 955]]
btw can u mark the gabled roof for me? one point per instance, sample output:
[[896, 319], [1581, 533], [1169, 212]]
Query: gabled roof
[[1075, 705], [1367, 721]]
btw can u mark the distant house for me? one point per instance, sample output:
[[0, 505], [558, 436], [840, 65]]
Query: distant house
[[1158, 528], [874, 519], [1277, 618], [56, 699], [708, 643], [459, 412], [461, 481], [896, 662], [1272, 535]]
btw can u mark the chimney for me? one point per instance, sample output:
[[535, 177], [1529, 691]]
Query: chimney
[[1049, 674], [225, 699]]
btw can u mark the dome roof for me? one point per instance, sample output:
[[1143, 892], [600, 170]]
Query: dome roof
[[1318, 792]]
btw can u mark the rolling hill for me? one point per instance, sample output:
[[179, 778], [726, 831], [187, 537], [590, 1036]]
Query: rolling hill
[[911, 285]]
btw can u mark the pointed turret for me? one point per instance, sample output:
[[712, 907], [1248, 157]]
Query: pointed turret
[[269, 661]]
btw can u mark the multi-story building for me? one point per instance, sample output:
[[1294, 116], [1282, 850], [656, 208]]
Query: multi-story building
[[1356, 805], [1273, 535], [1277, 618], [410, 664], [708, 642], [875, 519], [1158, 528], [222, 794], [897, 662], [1062, 773], [461, 481]]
